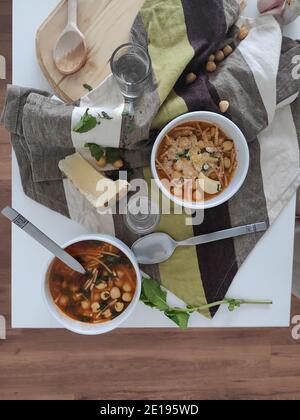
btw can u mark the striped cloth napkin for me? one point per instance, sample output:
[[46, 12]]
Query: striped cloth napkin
[[259, 79]]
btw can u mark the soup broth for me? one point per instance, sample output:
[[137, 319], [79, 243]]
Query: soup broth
[[103, 293], [197, 159]]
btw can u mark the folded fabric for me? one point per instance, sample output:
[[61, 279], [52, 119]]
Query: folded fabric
[[258, 81]]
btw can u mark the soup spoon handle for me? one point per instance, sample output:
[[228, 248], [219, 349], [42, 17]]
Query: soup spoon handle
[[42, 239], [225, 234]]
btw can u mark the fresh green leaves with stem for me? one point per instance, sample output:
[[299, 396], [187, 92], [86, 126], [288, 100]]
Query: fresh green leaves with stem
[[154, 296], [111, 155], [88, 122]]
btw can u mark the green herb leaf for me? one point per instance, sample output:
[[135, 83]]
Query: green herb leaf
[[87, 87], [180, 318], [104, 116], [97, 151], [112, 155], [155, 295], [87, 123]]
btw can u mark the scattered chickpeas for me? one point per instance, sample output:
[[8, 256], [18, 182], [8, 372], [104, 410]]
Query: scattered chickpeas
[[105, 295], [119, 306], [224, 106], [126, 297], [63, 301], [118, 164], [127, 287], [102, 162], [115, 293], [227, 146], [190, 78], [211, 58], [244, 32], [211, 67], [227, 50], [107, 314], [220, 56], [101, 286]]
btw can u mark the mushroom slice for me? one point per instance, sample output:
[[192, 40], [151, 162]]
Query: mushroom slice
[[210, 187]]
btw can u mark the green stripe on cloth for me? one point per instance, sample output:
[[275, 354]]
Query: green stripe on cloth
[[166, 18], [181, 273], [171, 108]]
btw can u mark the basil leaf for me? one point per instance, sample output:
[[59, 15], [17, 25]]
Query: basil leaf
[[97, 151], [105, 116], [87, 122], [112, 155], [154, 294], [87, 87], [180, 318]]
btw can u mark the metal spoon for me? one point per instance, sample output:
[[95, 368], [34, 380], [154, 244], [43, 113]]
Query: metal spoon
[[42, 239], [70, 52], [159, 247]]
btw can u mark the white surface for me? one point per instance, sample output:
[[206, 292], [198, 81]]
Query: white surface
[[267, 274]]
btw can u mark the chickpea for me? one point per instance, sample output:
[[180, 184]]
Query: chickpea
[[107, 314], [244, 32], [127, 297], [127, 287], [178, 166], [115, 293], [224, 106], [63, 301], [85, 305], [119, 306], [102, 162], [190, 78], [227, 50], [227, 146], [211, 57], [178, 192], [118, 164], [227, 163], [102, 285], [220, 56], [198, 195], [95, 307], [211, 67], [74, 288], [105, 295]]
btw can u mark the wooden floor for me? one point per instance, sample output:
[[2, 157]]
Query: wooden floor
[[135, 364]]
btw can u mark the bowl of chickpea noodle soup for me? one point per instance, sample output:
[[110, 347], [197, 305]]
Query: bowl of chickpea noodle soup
[[200, 160], [103, 298]]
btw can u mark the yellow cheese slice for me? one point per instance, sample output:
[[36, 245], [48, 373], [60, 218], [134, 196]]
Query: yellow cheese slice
[[98, 190]]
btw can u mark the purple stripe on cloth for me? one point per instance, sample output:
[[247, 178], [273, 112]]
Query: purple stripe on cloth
[[206, 31], [217, 260]]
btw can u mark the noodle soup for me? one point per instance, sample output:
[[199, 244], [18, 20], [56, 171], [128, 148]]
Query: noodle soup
[[199, 156], [101, 295]]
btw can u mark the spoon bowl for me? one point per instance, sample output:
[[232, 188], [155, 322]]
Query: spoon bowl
[[154, 249], [70, 52]]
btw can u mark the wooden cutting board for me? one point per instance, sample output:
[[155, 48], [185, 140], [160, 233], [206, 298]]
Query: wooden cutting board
[[106, 25]]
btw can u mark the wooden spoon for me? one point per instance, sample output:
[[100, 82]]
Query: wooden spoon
[[70, 52]]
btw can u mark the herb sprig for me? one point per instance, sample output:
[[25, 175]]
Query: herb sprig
[[88, 122], [154, 296], [111, 155]]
